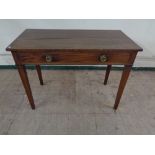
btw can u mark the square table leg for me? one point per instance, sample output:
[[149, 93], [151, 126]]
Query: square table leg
[[107, 74], [124, 78], [25, 81], [38, 68]]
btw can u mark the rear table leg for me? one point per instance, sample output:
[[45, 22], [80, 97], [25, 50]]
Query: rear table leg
[[38, 68], [107, 74]]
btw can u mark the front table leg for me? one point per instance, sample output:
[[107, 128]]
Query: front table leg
[[124, 78], [25, 81]]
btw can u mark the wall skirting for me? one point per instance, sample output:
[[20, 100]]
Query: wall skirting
[[46, 67]]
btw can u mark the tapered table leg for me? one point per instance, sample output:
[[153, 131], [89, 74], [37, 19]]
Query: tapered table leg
[[124, 78], [39, 74], [107, 74], [25, 81]]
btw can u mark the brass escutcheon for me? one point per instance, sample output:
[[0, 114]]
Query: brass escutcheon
[[103, 58], [49, 58]]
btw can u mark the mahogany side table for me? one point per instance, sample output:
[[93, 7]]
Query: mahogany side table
[[73, 47]]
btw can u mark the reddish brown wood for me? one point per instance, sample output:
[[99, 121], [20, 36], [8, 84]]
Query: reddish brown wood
[[25, 81], [122, 84], [71, 57], [40, 40], [107, 74], [73, 47], [38, 68]]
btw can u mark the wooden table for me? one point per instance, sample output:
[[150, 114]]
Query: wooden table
[[73, 47]]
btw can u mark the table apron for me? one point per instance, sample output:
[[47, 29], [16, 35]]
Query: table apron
[[74, 58]]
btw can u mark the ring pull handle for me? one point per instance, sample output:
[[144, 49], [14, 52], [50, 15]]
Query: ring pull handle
[[103, 58], [49, 58]]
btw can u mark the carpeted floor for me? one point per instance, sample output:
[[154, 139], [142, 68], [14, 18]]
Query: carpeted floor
[[77, 102]]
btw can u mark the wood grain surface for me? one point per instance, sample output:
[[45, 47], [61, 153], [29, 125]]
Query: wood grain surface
[[44, 39], [73, 47], [74, 58]]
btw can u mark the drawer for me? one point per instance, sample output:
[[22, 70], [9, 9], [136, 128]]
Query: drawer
[[74, 58]]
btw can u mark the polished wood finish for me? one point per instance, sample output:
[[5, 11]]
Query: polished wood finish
[[38, 68], [107, 74], [25, 81], [76, 57], [73, 47], [44, 40], [122, 84]]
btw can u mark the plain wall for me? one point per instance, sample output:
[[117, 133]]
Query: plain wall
[[141, 31]]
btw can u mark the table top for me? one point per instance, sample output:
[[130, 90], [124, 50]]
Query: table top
[[52, 39]]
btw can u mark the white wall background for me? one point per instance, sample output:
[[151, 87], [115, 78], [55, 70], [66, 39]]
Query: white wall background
[[141, 31]]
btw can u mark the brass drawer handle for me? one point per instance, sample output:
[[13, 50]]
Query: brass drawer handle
[[103, 58], [49, 58]]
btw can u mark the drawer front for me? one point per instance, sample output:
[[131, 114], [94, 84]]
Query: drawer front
[[74, 58]]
